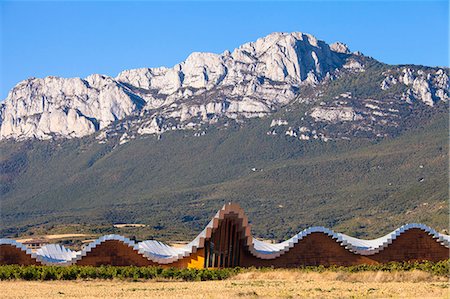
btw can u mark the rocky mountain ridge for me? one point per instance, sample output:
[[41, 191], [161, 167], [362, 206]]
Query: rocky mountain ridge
[[347, 115], [255, 80]]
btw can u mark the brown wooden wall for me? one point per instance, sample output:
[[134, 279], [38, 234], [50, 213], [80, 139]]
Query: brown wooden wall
[[413, 245], [11, 255], [320, 249], [223, 248], [114, 253], [315, 249]]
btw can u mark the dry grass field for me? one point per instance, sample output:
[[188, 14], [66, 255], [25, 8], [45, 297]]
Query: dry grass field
[[270, 284]]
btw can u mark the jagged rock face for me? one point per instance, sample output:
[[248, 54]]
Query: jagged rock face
[[279, 57], [426, 86], [340, 48], [252, 81], [43, 108]]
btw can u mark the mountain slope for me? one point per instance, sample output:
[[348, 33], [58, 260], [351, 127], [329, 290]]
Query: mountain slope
[[358, 187]]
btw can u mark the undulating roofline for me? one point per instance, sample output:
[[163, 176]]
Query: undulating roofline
[[160, 253]]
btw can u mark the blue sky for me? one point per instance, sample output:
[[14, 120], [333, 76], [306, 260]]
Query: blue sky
[[75, 39]]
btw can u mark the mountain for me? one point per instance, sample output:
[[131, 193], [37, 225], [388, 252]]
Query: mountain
[[250, 82], [297, 131], [254, 80]]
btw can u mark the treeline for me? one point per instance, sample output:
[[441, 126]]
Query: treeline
[[12, 272]]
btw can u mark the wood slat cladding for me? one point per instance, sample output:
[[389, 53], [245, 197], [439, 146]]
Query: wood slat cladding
[[320, 249], [413, 245], [11, 255], [114, 253], [223, 248], [316, 249]]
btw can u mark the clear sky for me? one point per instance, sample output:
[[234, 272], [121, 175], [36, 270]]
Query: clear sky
[[75, 39]]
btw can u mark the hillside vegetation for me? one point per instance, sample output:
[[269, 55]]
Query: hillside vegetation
[[175, 184]]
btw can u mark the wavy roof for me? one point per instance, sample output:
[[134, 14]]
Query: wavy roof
[[158, 252]]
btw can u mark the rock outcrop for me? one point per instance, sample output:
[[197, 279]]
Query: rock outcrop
[[251, 81], [429, 86], [57, 107]]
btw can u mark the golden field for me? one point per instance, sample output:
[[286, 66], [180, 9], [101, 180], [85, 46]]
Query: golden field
[[270, 284]]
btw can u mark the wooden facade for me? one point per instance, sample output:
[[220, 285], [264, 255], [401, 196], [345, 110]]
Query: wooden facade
[[225, 246], [11, 255], [114, 253], [320, 249]]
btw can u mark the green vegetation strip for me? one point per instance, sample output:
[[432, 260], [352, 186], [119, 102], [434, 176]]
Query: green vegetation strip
[[12, 272], [9, 272]]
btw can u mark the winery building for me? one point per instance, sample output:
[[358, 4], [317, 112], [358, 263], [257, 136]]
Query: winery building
[[227, 242]]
